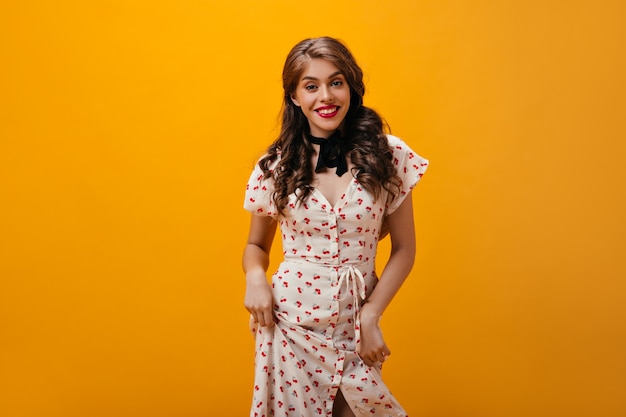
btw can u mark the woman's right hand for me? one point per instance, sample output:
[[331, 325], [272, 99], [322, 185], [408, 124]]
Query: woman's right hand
[[259, 300]]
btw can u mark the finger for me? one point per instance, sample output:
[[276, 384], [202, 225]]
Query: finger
[[268, 318], [368, 362], [363, 358], [262, 318], [262, 321], [385, 352]]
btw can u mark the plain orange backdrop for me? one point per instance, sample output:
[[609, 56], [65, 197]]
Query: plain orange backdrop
[[128, 130]]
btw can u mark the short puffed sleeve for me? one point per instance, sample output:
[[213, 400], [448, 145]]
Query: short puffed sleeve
[[258, 197], [410, 167]]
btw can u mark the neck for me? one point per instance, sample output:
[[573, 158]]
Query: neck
[[335, 134]]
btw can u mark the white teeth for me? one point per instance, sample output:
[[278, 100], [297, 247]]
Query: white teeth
[[327, 111]]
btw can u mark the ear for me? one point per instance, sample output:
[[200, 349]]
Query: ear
[[295, 100]]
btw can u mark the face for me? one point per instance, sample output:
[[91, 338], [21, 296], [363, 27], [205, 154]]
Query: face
[[324, 97]]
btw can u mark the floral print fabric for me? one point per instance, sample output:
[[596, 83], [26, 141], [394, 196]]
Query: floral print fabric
[[327, 273]]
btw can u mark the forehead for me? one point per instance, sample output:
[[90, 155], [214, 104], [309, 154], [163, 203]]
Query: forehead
[[320, 69]]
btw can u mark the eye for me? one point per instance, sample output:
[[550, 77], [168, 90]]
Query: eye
[[310, 87], [337, 83]]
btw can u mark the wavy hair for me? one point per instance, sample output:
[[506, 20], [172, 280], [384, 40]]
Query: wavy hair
[[363, 139]]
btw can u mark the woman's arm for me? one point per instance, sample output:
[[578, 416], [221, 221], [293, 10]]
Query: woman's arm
[[258, 300], [402, 232]]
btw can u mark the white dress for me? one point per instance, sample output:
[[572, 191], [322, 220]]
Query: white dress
[[327, 273]]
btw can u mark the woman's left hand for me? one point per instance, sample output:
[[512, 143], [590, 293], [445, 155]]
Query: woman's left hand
[[372, 347]]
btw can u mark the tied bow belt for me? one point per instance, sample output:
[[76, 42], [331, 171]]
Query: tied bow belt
[[354, 281]]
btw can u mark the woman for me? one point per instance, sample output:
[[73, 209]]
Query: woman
[[331, 180]]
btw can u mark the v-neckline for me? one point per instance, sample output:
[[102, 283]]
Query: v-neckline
[[341, 197]]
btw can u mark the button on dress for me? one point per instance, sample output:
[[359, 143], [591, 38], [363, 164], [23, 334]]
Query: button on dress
[[327, 272]]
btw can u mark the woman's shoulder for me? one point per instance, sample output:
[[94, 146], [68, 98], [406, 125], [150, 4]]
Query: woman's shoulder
[[402, 151], [397, 145], [395, 141]]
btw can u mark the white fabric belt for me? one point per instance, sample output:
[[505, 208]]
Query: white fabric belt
[[353, 278]]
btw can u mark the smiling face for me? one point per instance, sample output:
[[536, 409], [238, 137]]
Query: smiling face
[[323, 95]]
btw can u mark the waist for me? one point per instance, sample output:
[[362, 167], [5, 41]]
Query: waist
[[328, 264], [351, 279]]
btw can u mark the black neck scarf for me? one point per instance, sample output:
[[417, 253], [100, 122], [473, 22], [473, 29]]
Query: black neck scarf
[[330, 155]]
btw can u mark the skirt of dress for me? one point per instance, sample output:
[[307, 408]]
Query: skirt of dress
[[311, 352]]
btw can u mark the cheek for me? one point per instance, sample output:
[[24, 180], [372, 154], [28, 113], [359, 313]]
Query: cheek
[[301, 99], [346, 99]]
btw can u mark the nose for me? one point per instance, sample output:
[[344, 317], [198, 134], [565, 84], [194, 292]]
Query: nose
[[326, 95]]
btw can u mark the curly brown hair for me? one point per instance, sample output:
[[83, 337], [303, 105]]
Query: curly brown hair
[[363, 139]]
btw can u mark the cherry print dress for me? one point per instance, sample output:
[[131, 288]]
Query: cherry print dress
[[327, 273]]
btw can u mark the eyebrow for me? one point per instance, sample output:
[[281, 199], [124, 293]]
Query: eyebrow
[[334, 74]]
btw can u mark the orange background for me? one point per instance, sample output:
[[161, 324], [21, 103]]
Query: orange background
[[128, 130]]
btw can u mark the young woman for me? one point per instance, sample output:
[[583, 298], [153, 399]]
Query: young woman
[[335, 183]]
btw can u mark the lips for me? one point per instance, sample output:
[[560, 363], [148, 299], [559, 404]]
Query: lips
[[327, 111]]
